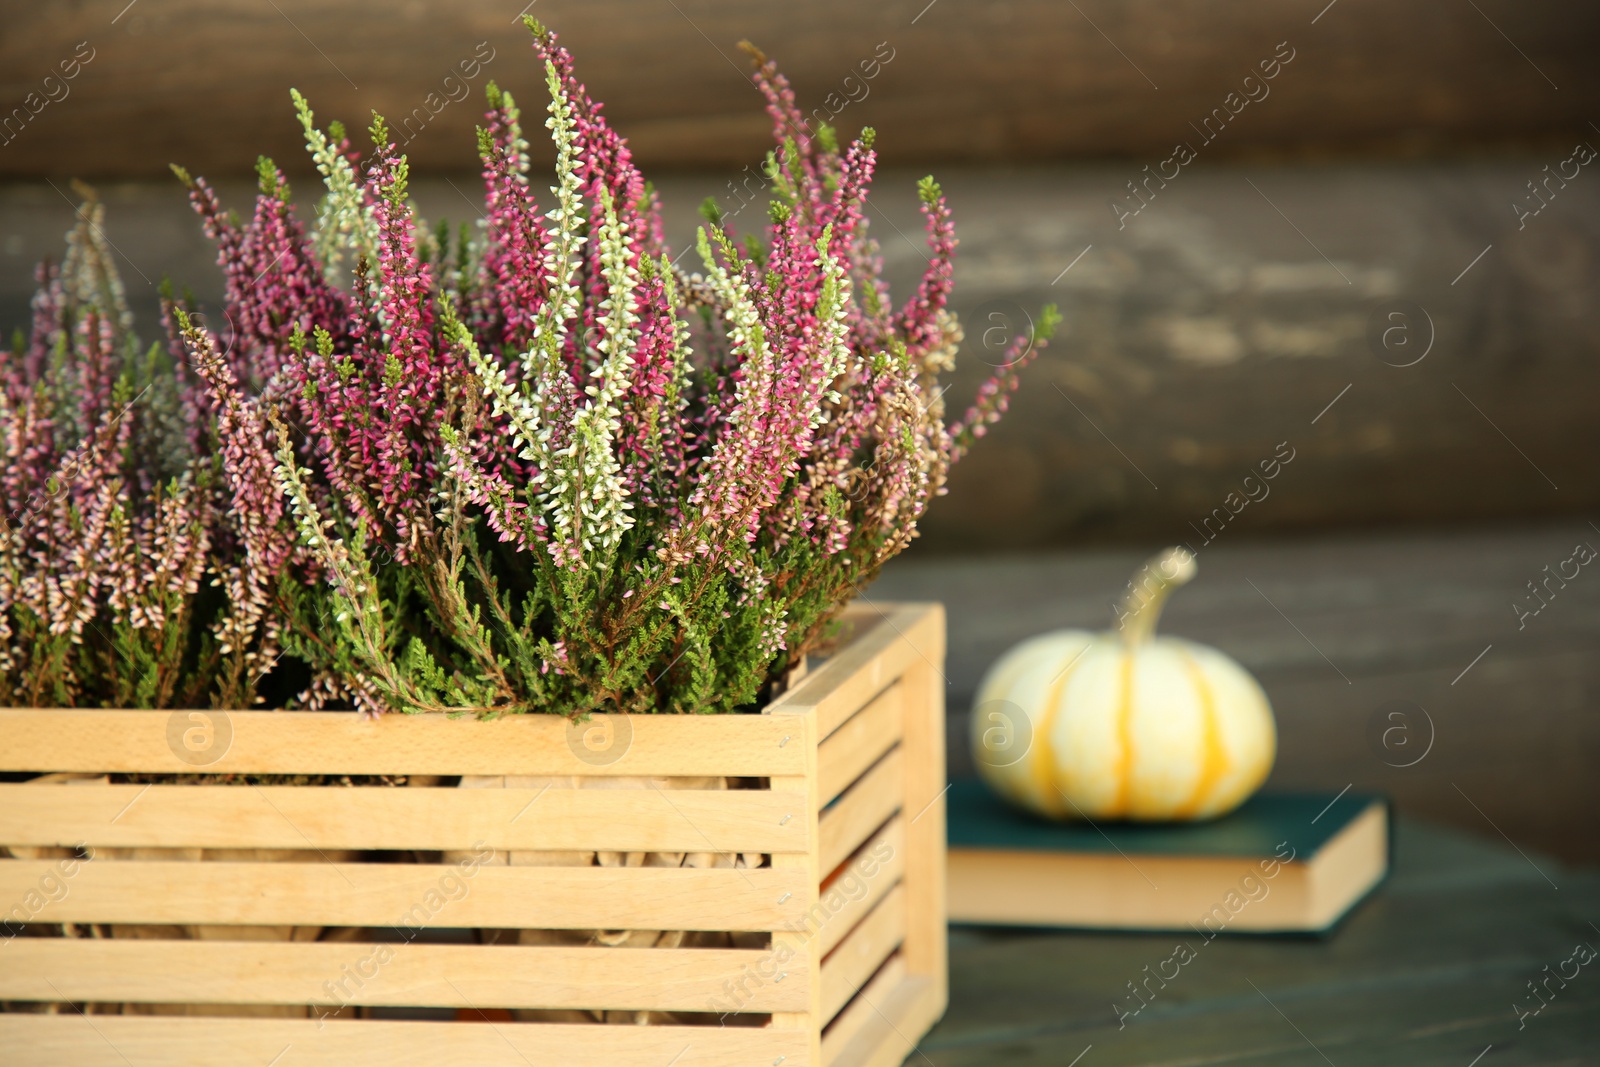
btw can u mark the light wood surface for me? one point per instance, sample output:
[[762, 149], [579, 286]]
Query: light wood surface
[[861, 810], [862, 1010], [888, 1037], [863, 951], [319, 973], [923, 806], [800, 724], [409, 897], [132, 1041], [853, 879], [859, 743], [893, 636], [260, 742], [225, 816]]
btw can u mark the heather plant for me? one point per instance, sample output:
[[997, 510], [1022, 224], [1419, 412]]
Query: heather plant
[[541, 468], [133, 571]]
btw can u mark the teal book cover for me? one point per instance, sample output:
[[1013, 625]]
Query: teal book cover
[[977, 818], [1280, 863]]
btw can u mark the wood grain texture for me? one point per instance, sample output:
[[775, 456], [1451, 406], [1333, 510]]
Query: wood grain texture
[[133, 1041], [888, 1038], [801, 791], [875, 869], [226, 816], [861, 810], [411, 897], [1196, 339], [847, 753], [318, 973], [1028, 79], [861, 1012], [923, 803], [1241, 315], [859, 915], [863, 951], [891, 638], [254, 742]]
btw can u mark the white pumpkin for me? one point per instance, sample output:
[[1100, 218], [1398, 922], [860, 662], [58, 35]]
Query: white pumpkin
[[1124, 725]]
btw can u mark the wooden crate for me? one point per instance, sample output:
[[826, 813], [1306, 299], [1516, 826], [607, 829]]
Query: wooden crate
[[850, 772]]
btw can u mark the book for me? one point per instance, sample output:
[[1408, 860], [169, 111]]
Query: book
[[1280, 863]]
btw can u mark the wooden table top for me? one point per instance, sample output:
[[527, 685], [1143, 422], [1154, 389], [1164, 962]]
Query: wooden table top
[[1428, 971]]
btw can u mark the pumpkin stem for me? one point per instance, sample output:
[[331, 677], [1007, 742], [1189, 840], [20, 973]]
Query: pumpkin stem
[[1148, 590]]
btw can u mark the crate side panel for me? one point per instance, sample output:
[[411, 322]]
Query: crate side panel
[[900, 635], [925, 790], [298, 817], [899, 1019], [863, 951], [861, 810], [862, 1011], [330, 973], [153, 1041], [860, 742], [303, 742], [866, 878], [405, 896]]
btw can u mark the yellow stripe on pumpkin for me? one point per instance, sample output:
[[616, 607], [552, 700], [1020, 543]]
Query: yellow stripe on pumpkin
[[1119, 803], [1042, 760], [1214, 764]]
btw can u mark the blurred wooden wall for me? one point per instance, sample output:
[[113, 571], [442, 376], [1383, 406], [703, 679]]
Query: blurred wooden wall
[[1377, 172], [205, 83]]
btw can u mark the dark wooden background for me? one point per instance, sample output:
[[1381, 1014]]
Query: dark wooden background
[[205, 83], [1196, 340]]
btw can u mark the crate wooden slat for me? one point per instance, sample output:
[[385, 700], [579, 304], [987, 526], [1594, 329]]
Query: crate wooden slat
[[861, 809], [863, 1008], [837, 813], [464, 976], [884, 856], [228, 816], [893, 639], [135, 1041], [264, 742], [859, 743], [892, 1026], [391, 895], [863, 951]]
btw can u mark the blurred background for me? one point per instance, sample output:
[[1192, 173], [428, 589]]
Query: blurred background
[[1362, 234]]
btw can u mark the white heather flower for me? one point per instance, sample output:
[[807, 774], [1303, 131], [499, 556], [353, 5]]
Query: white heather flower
[[344, 216], [833, 310], [566, 218]]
